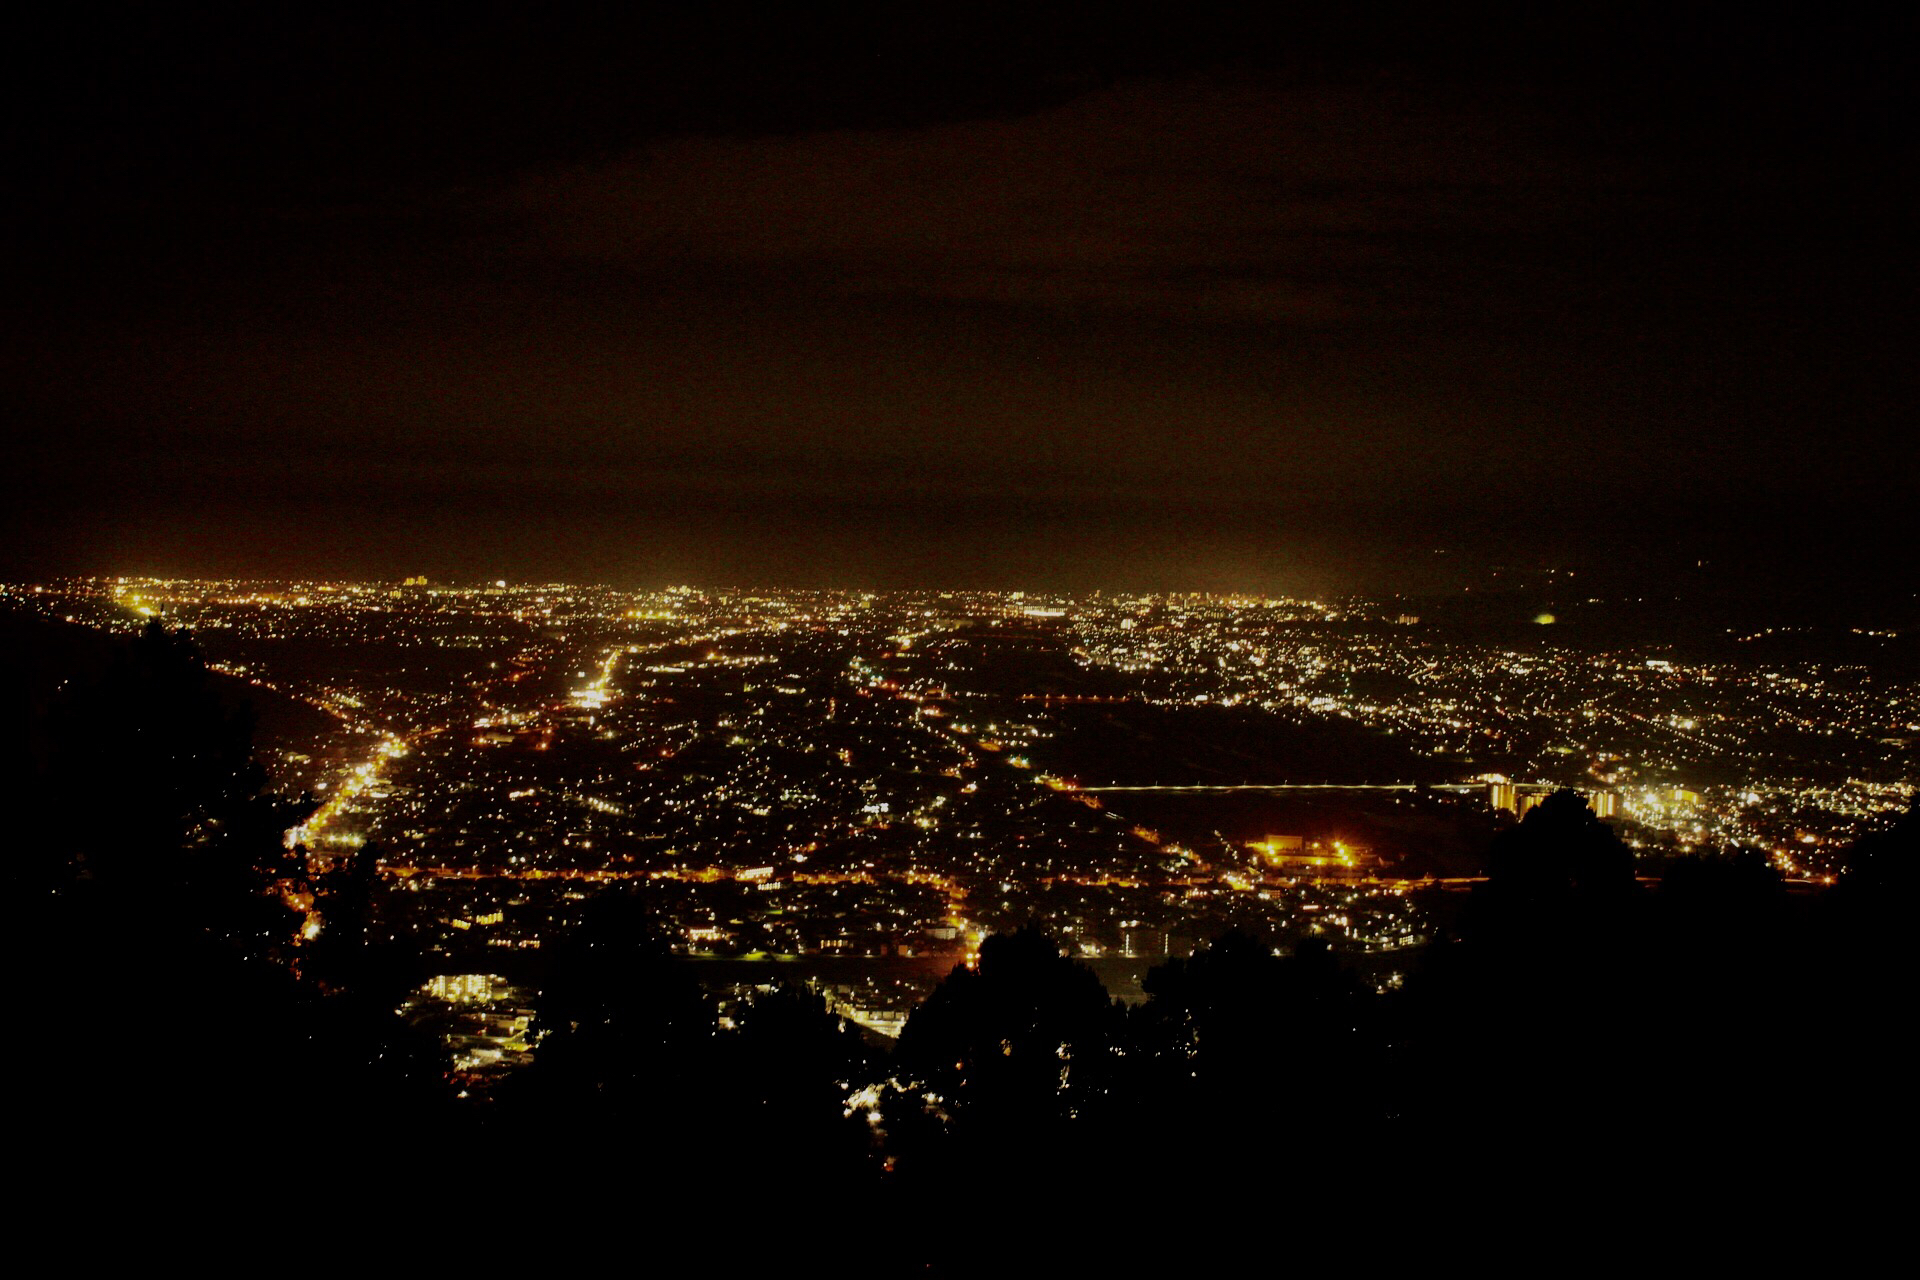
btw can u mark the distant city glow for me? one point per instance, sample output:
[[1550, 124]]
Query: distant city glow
[[898, 775]]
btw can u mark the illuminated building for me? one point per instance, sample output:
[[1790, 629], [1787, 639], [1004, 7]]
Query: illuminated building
[[1276, 849]]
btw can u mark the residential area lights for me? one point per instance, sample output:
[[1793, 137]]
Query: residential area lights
[[897, 774]]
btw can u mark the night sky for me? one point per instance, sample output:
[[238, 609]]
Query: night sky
[[964, 296]]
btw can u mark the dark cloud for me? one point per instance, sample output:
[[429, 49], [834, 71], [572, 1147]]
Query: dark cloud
[[956, 298], [1205, 200]]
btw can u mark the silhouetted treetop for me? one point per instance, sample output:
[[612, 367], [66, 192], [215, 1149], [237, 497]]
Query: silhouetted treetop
[[1560, 850], [1882, 864], [622, 1020], [146, 761], [1013, 1032]]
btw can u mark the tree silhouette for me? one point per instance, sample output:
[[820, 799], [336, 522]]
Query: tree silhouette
[[1239, 1053], [1560, 854], [344, 897], [164, 1015], [1526, 1031], [624, 1029], [1236, 1017], [1883, 865], [151, 796], [146, 760], [788, 1068], [1021, 1042]]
